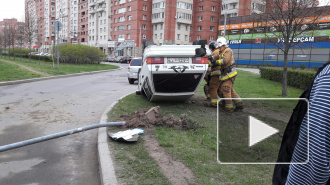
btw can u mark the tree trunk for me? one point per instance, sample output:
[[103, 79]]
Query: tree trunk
[[285, 75], [30, 53]]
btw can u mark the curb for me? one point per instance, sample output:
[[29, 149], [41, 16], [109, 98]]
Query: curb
[[107, 171], [54, 77]]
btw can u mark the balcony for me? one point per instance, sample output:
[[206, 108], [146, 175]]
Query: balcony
[[182, 20], [101, 9], [92, 11], [100, 1], [92, 4], [159, 20]]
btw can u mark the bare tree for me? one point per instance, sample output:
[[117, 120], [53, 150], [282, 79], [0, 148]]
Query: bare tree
[[30, 25], [289, 20], [20, 37], [12, 28]]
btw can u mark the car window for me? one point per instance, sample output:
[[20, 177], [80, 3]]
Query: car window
[[136, 62]]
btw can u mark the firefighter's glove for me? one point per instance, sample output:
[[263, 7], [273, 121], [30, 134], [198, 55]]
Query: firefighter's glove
[[212, 61]]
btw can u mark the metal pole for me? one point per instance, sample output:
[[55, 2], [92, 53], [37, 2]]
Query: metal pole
[[140, 40], [57, 135], [58, 50], [224, 33]]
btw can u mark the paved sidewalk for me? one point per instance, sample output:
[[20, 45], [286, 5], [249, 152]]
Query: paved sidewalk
[[252, 70]]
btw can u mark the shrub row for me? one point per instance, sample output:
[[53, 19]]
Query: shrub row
[[21, 51], [35, 57], [79, 54], [296, 78]]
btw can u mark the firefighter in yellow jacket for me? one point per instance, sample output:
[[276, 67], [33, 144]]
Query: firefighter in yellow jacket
[[227, 76], [214, 82]]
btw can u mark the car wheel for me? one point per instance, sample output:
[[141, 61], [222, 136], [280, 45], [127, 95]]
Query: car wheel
[[131, 81]]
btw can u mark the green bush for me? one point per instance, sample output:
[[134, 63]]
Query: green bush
[[296, 78], [79, 54], [302, 66]]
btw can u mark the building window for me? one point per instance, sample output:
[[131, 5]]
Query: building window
[[122, 10], [199, 28], [213, 8], [211, 37], [115, 12], [122, 1], [144, 26], [211, 28], [198, 37], [201, 8], [144, 17], [144, 7], [158, 5], [233, 15], [128, 36], [200, 18], [178, 36], [187, 27], [184, 5], [121, 19], [179, 26], [122, 36], [115, 2], [155, 27], [161, 36], [186, 37], [129, 17], [144, 36], [155, 36], [115, 20], [115, 28], [121, 28], [129, 27], [129, 8], [212, 18], [161, 26]]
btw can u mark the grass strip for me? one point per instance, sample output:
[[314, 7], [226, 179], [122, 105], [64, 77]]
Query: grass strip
[[47, 67], [197, 148], [9, 72]]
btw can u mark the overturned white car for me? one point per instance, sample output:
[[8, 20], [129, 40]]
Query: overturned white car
[[172, 72]]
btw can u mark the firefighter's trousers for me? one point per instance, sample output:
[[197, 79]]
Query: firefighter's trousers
[[227, 89], [214, 89]]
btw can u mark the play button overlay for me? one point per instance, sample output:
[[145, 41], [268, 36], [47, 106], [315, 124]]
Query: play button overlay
[[254, 135], [259, 131]]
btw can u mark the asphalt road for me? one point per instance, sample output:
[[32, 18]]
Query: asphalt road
[[40, 108]]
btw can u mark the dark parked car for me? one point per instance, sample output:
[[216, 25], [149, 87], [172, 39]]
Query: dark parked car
[[126, 59]]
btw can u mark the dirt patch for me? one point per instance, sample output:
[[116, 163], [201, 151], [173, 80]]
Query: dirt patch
[[270, 114], [148, 117], [172, 168]]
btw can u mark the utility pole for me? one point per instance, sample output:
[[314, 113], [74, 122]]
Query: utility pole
[[224, 32], [58, 26]]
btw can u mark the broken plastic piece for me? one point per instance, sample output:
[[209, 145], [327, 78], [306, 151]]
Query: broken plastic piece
[[131, 135]]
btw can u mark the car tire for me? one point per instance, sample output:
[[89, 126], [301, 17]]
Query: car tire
[[131, 81]]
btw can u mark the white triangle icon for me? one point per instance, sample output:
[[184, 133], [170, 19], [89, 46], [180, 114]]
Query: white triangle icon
[[259, 131]]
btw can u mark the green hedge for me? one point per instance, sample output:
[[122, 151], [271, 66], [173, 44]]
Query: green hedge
[[296, 78], [79, 54], [35, 57]]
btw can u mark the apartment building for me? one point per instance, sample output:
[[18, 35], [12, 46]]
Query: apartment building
[[82, 36], [49, 21], [130, 24], [234, 8], [62, 15], [31, 19], [206, 19], [7, 26], [98, 24]]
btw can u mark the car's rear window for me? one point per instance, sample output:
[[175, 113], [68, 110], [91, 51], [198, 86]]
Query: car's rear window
[[136, 62]]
